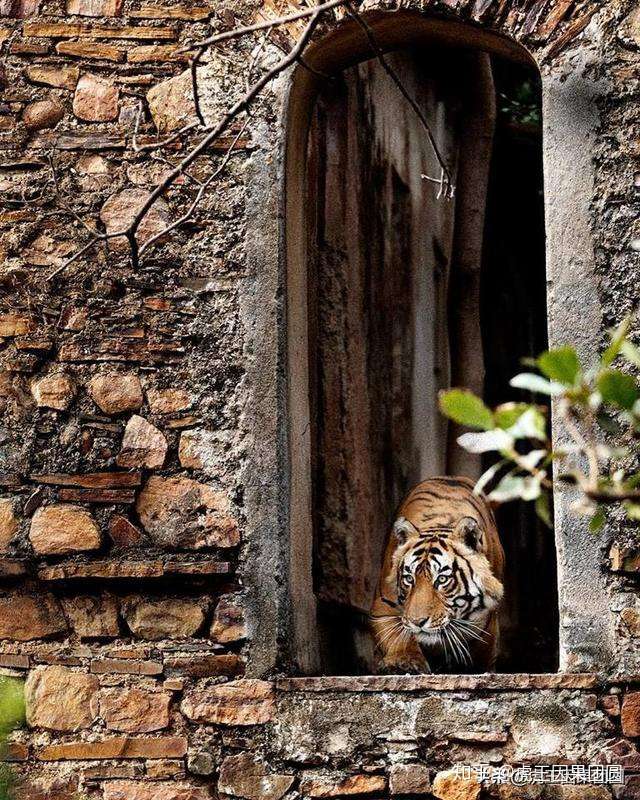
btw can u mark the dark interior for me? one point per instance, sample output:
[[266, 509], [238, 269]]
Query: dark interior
[[379, 251]]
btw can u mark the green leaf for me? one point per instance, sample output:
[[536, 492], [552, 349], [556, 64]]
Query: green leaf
[[465, 408], [631, 352], [618, 388], [632, 509], [12, 709], [561, 364], [512, 487], [536, 383], [617, 340], [488, 475], [543, 509], [597, 520], [507, 414], [531, 425], [486, 442]]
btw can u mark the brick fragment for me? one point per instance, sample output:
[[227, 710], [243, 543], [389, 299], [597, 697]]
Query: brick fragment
[[60, 30], [242, 702], [339, 786], [168, 401], [117, 666], [57, 77], [116, 747], [154, 53], [207, 665], [153, 11], [134, 790], [97, 50]]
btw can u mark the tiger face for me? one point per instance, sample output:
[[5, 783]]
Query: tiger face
[[445, 587]]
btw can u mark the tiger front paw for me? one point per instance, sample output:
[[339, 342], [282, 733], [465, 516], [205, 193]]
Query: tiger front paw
[[404, 666]]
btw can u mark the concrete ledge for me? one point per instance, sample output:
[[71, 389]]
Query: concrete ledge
[[442, 683]]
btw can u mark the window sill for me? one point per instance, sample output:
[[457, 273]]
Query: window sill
[[442, 683]]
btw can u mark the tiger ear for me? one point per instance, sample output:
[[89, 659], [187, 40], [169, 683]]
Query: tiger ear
[[469, 532], [403, 530]]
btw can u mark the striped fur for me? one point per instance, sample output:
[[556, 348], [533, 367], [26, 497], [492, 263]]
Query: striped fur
[[441, 582]]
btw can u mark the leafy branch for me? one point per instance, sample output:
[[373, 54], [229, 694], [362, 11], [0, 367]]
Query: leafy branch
[[598, 431]]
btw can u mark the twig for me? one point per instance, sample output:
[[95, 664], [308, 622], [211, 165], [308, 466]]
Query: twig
[[450, 188], [204, 185], [230, 115], [260, 26]]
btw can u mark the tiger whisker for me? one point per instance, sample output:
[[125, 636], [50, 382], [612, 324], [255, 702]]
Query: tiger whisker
[[471, 625], [455, 644], [473, 634], [457, 637], [479, 636], [393, 629]]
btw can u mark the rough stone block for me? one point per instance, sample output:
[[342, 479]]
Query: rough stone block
[[341, 786], [143, 445], [94, 8], [450, 785], [61, 529], [168, 401], [93, 617], [120, 209], [59, 699], [54, 391], [180, 512], [163, 619], [134, 710], [96, 99], [115, 393], [123, 532], [228, 621], [25, 617], [42, 114], [630, 716], [244, 776], [205, 666], [15, 325], [8, 524], [243, 702], [410, 779]]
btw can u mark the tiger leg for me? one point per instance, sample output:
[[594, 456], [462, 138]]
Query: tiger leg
[[398, 650]]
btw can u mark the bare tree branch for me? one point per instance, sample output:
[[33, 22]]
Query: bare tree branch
[[448, 179], [260, 26]]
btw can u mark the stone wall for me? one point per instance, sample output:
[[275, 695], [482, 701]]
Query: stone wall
[[147, 557]]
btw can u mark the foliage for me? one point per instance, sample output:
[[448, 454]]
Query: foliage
[[598, 416], [521, 104], [12, 716]]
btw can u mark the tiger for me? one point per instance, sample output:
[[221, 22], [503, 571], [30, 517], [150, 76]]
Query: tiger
[[441, 582]]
